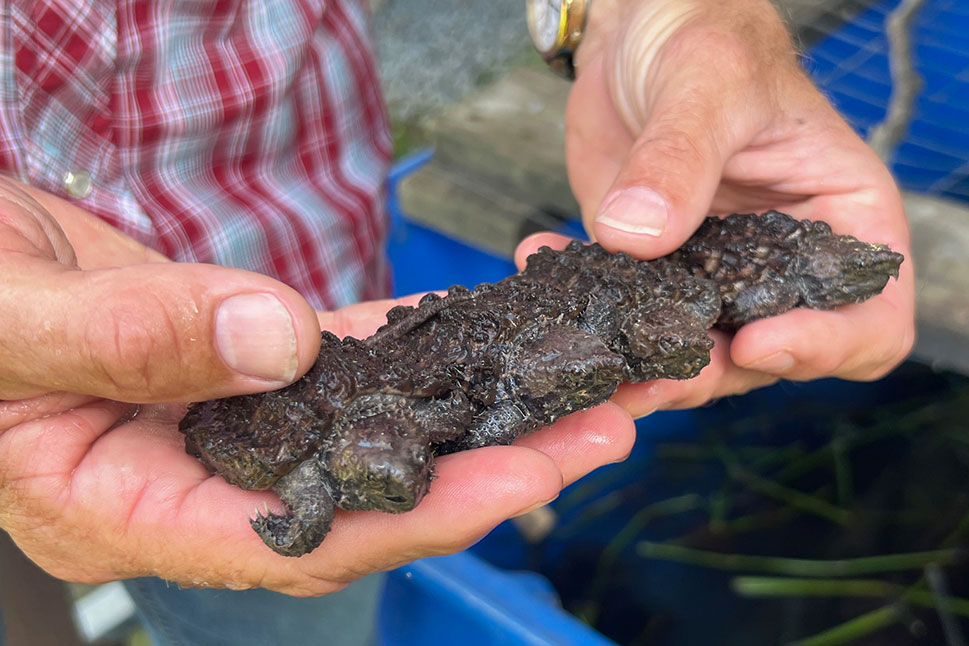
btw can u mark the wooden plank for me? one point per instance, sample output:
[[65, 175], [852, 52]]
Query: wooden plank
[[940, 240], [452, 201], [511, 135]]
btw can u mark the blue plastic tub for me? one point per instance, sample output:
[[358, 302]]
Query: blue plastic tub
[[462, 599], [425, 260]]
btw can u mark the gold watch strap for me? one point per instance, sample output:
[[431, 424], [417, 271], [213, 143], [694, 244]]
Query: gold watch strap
[[571, 27]]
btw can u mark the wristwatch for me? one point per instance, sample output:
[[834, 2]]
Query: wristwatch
[[556, 28]]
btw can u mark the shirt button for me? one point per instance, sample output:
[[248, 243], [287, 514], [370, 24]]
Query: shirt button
[[78, 183]]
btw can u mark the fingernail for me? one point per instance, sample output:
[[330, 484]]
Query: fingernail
[[635, 210], [777, 363], [255, 336]]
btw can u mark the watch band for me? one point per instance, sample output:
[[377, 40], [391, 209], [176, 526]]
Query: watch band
[[556, 33], [571, 28], [563, 64]]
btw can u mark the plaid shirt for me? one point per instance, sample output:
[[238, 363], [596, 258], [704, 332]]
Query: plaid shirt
[[245, 133]]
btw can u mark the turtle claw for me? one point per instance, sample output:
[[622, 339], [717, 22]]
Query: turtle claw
[[308, 513], [282, 533]]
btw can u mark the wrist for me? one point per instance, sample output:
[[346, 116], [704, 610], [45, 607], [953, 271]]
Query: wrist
[[741, 46], [649, 23], [608, 19]]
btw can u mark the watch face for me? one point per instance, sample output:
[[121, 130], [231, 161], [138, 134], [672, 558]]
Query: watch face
[[544, 23]]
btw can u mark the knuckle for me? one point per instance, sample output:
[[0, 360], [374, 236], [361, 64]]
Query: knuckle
[[133, 350], [674, 140], [119, 348]]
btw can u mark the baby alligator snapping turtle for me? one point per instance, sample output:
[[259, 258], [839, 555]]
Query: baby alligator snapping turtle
[[478, 367]]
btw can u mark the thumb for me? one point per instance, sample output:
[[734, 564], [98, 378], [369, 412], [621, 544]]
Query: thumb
[[690, 83], [149, 333], [666, 184]]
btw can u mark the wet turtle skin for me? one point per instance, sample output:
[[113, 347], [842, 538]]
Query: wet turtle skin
[[480, 367]]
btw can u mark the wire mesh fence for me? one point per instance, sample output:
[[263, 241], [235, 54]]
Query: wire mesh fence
[[851, 64]]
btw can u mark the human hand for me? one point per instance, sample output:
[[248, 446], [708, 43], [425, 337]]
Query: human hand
[[89, 311], [682, 108], [102, 490]]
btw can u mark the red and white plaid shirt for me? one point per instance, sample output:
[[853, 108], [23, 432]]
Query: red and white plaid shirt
[[240, 132]]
